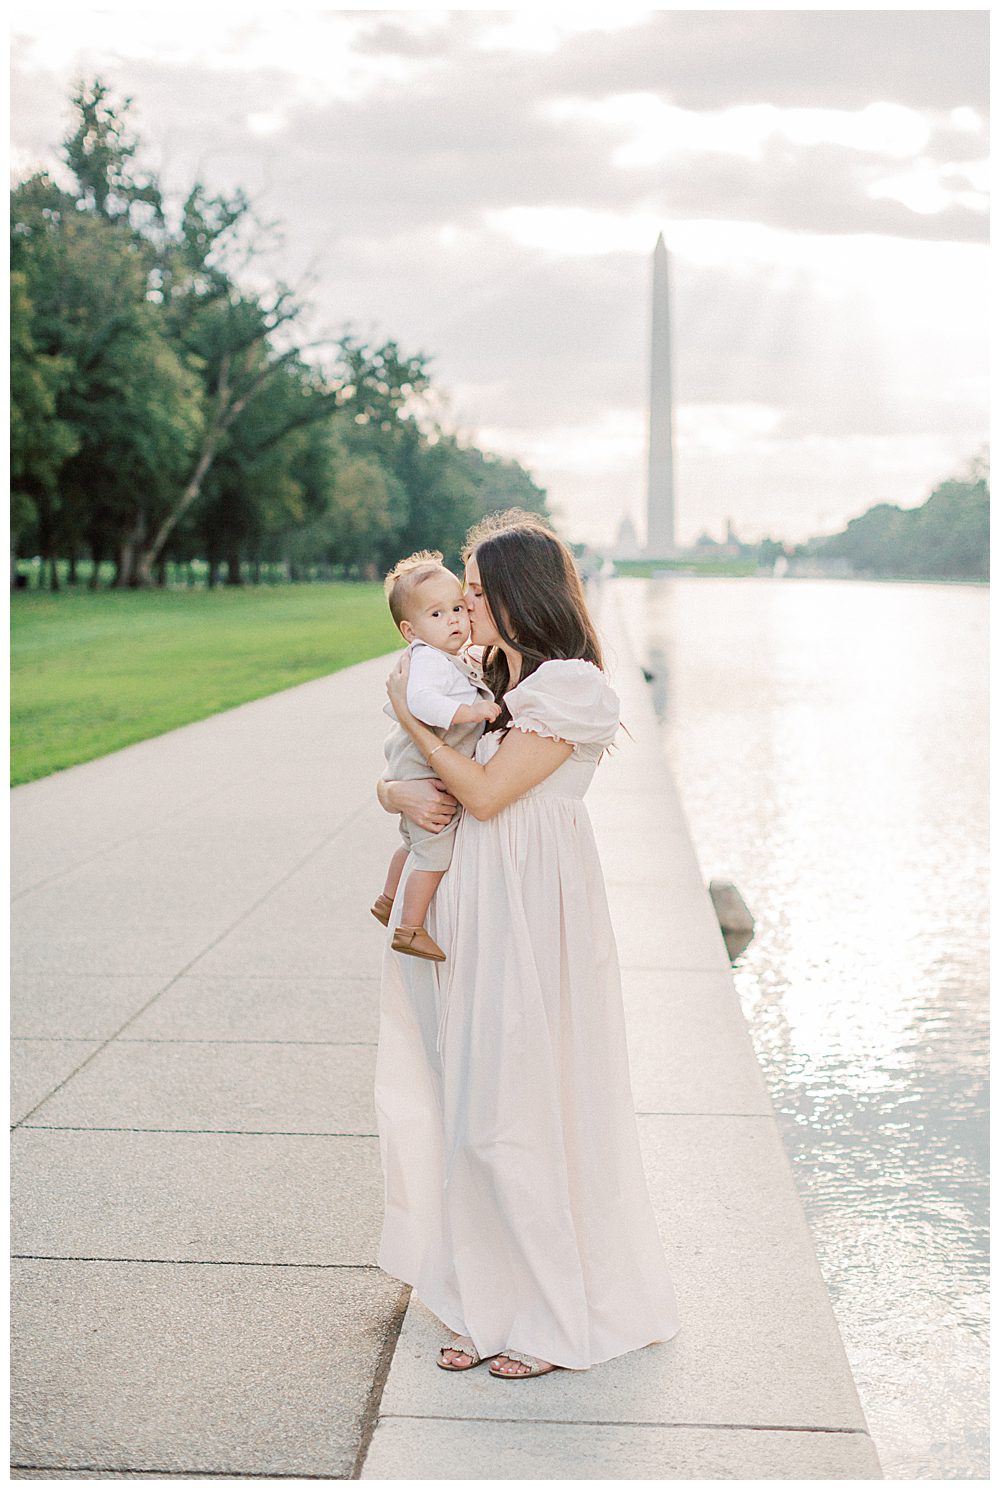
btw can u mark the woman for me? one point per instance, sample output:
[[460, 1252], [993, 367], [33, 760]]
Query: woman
[[516, 1203]]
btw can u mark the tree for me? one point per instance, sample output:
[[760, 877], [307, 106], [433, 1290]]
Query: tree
[[947, 537], [134, 404], [40, 440], [162, 401], [100, 150], [443, 486], [360, 498], [232, 336]]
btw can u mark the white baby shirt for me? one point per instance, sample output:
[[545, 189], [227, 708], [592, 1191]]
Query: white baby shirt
[[438, 685]]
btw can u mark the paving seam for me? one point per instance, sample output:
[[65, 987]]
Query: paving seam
[[209, 1132], [252, 977], [179, 1040], [688, 1112], [118, 1472], [110, 977], [196, 1262], [370, 1416], [669, 967], [176, 1040], [72, 1073], [440, 1417], [347, 823]]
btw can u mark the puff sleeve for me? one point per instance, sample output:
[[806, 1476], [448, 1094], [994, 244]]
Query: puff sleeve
[[566, 700]]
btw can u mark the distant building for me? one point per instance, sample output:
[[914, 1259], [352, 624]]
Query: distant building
[[732, 544], [627, 545]]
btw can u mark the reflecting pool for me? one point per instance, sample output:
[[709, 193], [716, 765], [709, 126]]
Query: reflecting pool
[[829, 740]]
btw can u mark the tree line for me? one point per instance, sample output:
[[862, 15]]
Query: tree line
[[164, 409], [947, 537]]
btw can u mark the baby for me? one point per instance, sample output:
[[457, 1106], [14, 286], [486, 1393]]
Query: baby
[[444, 691]]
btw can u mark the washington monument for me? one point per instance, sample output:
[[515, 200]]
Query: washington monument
[[660, 479]]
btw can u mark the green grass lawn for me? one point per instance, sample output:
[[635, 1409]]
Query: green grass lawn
[[91, 672]]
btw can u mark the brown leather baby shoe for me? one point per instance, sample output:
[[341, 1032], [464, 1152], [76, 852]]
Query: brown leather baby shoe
[[382, 909], [414, 942]]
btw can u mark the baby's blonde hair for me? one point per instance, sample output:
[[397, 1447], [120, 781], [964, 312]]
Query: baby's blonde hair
[[404, 577]]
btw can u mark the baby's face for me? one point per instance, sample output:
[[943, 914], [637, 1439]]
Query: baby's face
[[439, 615]]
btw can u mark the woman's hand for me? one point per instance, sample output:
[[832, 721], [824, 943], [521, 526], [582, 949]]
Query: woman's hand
[[395, 687], [427, 801]]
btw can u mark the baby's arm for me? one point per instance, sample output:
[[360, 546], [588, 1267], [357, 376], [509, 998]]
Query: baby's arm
[[483, 712], [430, 693], [426, 695]]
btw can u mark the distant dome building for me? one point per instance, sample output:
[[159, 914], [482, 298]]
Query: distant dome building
[[627, 545]]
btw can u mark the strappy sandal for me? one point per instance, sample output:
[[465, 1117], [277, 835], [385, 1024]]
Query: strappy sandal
[[536, 1367], [464, 1346]]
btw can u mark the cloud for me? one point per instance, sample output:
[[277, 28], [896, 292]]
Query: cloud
[[415, 34], [489, 132], [807, 59], [435, 153]]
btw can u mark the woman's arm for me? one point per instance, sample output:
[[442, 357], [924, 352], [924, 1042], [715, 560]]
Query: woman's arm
[[426, 801], [521, 762]]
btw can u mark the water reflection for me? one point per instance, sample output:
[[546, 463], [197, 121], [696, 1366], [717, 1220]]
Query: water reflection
[[829, 741]]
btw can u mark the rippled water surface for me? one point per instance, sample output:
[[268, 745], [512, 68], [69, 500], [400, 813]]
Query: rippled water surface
[[829, 740]]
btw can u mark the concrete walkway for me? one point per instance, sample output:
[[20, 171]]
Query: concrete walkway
[[197, 1192]]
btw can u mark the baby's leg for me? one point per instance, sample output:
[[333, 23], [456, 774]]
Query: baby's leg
[[395, 870], [420, 888]]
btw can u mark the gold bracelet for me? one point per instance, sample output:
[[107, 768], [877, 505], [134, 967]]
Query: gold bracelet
[[435, 751]]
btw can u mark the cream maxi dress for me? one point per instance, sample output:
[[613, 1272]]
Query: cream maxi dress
[[515, 1199]]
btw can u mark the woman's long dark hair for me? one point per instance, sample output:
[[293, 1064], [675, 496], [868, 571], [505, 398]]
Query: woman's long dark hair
[[535, 594]]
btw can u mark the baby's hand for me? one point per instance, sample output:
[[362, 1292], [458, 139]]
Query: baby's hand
[[478, 713]]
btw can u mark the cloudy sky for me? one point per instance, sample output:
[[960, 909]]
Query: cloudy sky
[[487, 187]]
